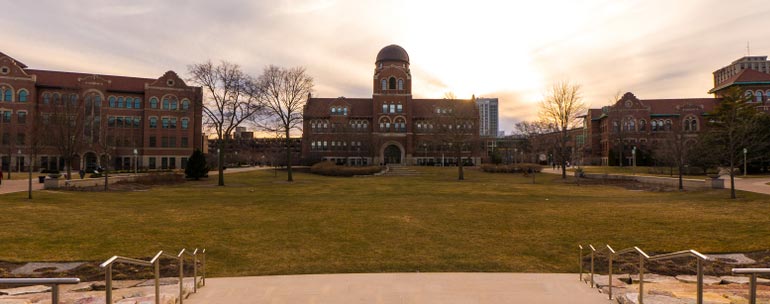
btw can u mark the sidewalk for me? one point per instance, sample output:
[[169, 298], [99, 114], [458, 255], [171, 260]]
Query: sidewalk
[[445, 288]]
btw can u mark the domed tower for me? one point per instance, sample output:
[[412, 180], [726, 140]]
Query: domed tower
[[391, 72]]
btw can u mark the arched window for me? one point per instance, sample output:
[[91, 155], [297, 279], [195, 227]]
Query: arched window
[[749, 95], [615, 127], [185, 104], [392, 83], [400, 84], [631, 125], [174, 103], [400, 125], [46, 98], [668, 125], [690, 124], [137, 103], [758, 97], [113, 101], [22, 96], [129, 103], [384, 124], [56, 98], [166, 103], [642, 125], [654, 125], [120, 102], [8, 94], [154, 103], [185, 123], [153, 122], [384, 84]]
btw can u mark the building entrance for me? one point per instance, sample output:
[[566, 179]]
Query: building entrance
[[392, 155]]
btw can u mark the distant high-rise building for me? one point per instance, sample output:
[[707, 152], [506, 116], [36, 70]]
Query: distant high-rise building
[[488, 116], [757, 63]]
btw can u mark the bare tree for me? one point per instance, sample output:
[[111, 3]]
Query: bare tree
[[533, 133], [675, 149], [561, 108], [231, 97], [455, 131], [65, 124], [284, 93]]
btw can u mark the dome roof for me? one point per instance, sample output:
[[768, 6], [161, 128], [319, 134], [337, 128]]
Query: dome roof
[[392, 53]]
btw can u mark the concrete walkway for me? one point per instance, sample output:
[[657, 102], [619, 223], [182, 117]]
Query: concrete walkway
[[445, 288], [756, 185]]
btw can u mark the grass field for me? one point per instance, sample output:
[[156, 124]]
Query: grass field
[[260, 224]]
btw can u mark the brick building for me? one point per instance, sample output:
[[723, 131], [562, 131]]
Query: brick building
[[390, 127], [613, 132], [152, 122]]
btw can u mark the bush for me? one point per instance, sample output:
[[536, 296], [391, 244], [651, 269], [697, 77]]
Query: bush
[[330, 169], [517, 168], [196, 166]]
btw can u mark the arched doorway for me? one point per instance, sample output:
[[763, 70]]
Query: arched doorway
[[91, 161], [392, 154]]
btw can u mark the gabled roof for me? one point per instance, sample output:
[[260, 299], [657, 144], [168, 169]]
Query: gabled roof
[[71, 80], [19, 63], [747, 76]]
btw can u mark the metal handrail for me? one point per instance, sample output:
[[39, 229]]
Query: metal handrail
[[54, 282], [752, 281], [155, 262], [642, 256]]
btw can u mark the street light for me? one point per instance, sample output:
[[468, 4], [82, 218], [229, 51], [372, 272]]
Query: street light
[[633, 153], [744, 161], [136, 161], [18, 161], [515, 151]]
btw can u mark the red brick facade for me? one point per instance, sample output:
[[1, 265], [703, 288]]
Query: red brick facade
[[390, 127], [160, 118]]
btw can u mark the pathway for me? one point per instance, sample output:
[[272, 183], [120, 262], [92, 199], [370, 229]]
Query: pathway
[[480, 288]]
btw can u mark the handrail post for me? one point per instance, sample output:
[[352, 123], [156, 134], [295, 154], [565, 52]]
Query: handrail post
[[753, 289], [610, 279], [700, 281], [203, 265], [181, 278], [641, 279], [580, 262], [55, 294], [195, 271], [592, 267], [108, 285], [157, 280]]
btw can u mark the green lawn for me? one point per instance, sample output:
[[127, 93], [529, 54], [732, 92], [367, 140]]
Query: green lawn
[[260, 224]]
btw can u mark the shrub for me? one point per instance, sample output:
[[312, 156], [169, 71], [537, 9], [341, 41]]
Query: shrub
[[330, 169], [196, 166], [517, 168]]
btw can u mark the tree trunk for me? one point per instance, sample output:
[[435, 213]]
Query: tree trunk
[[31, 163], [67, 164], [732, 178], [221, 161], [288, 157], [681, 186], [563, 168], [460, 173]]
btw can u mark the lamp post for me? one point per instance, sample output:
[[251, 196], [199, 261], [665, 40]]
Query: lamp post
[[744, 161], [515, 151], [136, 161], [29, 168], [633, 153], [19, 163]]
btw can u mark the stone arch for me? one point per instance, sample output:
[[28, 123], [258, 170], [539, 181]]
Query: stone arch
[[388, 147]]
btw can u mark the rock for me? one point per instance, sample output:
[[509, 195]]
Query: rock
[[633, 298], [742, 280], [116, 284], [616, 291], [25, 290], [15, 301], [648, 278], [80, 287], [707, 280], [732, 258], [163, 281], [602, 281], [32, 268]]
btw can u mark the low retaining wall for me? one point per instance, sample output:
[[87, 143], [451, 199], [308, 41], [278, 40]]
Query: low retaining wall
[[688, 184], [56, 183]]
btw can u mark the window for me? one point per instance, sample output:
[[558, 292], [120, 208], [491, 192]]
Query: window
[[6, 138], [400, 84], [22, 117], [184, 162], [184, 142], [185, 104], [113, 101], [153, 122], [173, 123], [392, 83], [119, 122], [136, 122], [111, 121], [749, 95], [120, 102], [642, 125], [668, 125], [174, 104], [384, 108], [129, 102], [56, 98], [172, 162], [164, 142], [137, 103], [8, 94], [399, 108], [392, 108], [384, 84], [153, 163], [153, 143], [23, 96], [154, 103], [165, 104], [46, 98], [172, 142], [164, 163], [759, 97], [185, 123], [20, 139], [165, 122], [334, 110]]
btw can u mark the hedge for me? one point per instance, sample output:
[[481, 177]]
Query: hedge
[[330, 169]]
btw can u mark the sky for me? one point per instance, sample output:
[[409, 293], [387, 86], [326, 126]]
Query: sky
[[513, 50]]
